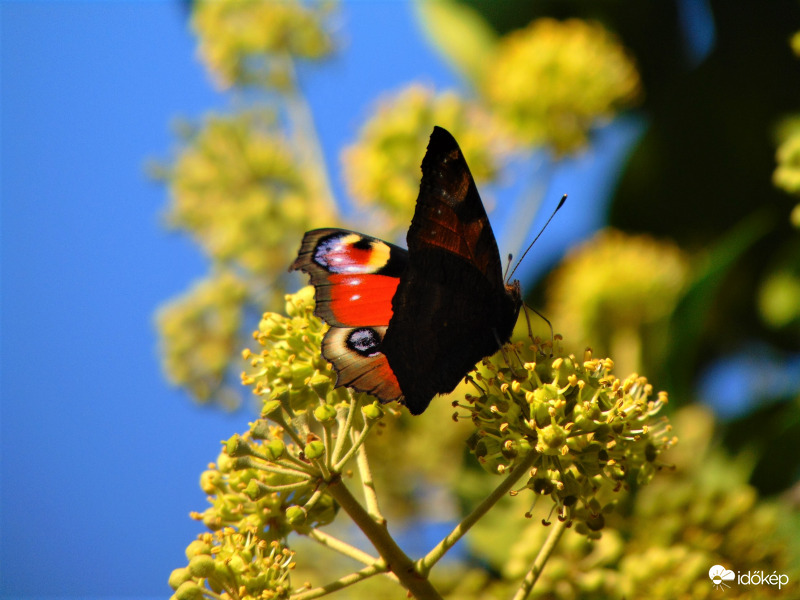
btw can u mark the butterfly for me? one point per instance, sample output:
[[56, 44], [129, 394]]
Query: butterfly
[[407, 325]]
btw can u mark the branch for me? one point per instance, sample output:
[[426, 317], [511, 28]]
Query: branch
[[368, 485], [541, 559], [354, 448], [425, 564], [377, 533], [344, 548], [342, 582]]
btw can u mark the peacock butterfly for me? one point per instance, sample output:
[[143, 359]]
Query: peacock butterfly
[[406, 325]]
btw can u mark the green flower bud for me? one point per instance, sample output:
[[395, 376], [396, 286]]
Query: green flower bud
[[210, 481], [236, 564], [178, 577], [236, 446], [254, 491], [274, 449], [196, 548], [372, 412], [260, 430], [325, 413], [202, 566], [296, 515], [320, 383], [270, 408], [314, 449], [189, 591], [551, 439]]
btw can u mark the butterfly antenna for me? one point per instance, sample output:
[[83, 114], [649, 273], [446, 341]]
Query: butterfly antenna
[[560, 204], [508, 266]]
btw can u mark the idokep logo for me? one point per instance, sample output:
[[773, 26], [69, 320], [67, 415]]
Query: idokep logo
[[719, 575]]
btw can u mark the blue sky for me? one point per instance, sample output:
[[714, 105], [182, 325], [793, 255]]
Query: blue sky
[[100, 457]]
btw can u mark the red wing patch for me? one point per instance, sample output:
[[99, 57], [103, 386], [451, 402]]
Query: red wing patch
[[355, 300], [355, 276], [359, 363]]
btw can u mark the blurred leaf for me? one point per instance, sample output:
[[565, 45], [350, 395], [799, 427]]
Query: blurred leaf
[[694, 309], [773, 435], [460, 34]]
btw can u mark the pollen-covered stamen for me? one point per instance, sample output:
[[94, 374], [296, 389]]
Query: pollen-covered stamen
[[586, 424]]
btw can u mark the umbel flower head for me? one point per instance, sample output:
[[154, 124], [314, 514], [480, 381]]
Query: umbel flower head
[[580, 432], [250, 42], [553, 80], [229, 564], [787, 172], [585, 432], [199, 332], [616, 290], [238, 187], [382, 167]]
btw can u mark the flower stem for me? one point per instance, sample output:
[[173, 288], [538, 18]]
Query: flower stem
[[425, 564], [344, 548], [343, 434], [541, 559], [370, 496], [377, 533], [362, 435], [343, 582]]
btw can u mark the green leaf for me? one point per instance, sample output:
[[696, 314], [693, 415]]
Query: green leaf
[[692, 313]]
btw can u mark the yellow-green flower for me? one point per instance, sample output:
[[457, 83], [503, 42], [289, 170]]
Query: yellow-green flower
[[553, 80], [795, 43], [289, 371], [231, 564], [383, 167], [613, 290], [779, 298], [787, 173], [239, 189], [199, 333], [252, 41], [591, 432]]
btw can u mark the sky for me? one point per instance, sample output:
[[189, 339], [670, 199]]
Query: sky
[[100, 457]]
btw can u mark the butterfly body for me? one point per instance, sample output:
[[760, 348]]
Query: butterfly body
[[407, 325]]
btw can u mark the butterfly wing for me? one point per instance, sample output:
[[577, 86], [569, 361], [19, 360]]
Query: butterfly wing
[[355, 277], [451, 307]]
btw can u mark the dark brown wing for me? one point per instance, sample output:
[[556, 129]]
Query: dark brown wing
[[451, 307]]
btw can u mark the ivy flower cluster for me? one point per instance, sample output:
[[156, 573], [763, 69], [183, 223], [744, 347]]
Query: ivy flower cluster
[[553, 80], [614, 289], [233, 565], [583, 430], [382, 167], [199, 332], [249, 42], [272, 480], [239, 188]]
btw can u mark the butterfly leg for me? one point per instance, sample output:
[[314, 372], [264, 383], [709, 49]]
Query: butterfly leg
[[543, 318]]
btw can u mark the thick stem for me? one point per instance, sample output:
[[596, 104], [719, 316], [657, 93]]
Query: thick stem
[[541, 559], [425, 564], [377, 533]]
